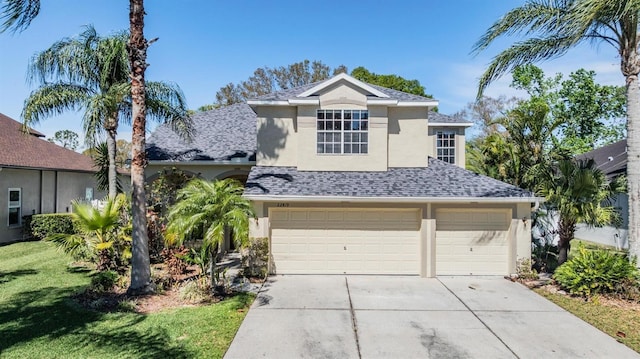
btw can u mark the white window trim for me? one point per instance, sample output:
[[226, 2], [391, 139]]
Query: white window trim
[[342, 133], [455, 154], [12, 204]]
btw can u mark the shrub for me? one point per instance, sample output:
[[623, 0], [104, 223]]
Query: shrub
[[45, 225], [591, 272], [525, 271], [195, 292], [175, 259], [255, 257], [103, 281]]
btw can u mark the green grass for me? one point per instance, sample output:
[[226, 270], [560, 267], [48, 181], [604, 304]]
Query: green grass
[[609, 319], [38, 320]]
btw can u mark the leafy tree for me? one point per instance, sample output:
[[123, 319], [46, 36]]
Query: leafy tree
[[91, 73], [579, 193], [65, 138], [390, 81], [102, 234], [586, 111], [266, 80], [210, 209], [614, 22]]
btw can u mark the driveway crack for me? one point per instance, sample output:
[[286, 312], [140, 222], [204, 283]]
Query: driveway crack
[[481, 321], [354, 323]]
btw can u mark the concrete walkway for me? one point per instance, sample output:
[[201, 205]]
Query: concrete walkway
[[410, 317]]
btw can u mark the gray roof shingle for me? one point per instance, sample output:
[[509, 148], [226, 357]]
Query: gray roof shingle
[[221, 135], [438, 180], [610, 159]]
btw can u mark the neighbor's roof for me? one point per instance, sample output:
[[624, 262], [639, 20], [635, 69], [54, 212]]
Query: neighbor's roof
[[29, 150], [438, 181], [219, 135], [610, 159]]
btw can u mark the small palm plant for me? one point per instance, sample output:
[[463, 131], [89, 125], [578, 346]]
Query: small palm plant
[[210, 209], [579, 193], [100, 234]]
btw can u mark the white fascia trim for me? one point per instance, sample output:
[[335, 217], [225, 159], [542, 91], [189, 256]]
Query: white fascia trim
[[268, 102], [394, 199], [433, 103], [347, 78], [198, 163], [445, 124], [382, 102], [300, 101]]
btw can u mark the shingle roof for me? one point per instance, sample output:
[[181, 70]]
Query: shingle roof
[[220, 134], [18, 149], [293, 92], [438, 180], [611, 159]]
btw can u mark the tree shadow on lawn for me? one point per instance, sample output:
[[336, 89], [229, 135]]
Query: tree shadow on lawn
[[6, 277], [49, 313]]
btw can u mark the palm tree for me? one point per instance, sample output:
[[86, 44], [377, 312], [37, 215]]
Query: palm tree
[[101, 234], [210, 209], [140, 262], [553, 28], [91, 73], [578, 192]]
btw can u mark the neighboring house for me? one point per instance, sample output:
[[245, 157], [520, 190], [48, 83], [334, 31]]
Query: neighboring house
[[37, 176], [348, 177], [612, 160]]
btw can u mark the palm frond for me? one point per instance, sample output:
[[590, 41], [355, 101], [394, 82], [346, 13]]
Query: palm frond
[[53, 99], [17, 15], [166, 102]]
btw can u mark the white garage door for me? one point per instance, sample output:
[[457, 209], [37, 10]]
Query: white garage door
[[352, 241], [472, 242]]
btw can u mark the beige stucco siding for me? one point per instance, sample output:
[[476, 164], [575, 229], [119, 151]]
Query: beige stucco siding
[[343, 96], [277, 140], [310, 160], [41, 192], [407, 129]]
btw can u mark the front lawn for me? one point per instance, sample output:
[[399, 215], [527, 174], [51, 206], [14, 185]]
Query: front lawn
[[38, 320]]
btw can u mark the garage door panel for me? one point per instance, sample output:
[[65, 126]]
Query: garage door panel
[[472, 241], [345, 241]]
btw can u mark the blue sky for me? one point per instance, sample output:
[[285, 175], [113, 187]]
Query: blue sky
[[204, 45]]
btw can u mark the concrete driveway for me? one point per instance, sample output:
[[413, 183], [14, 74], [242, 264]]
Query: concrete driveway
[[410, 317]]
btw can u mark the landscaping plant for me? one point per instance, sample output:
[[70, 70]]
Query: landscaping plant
[[101, 234], [210, 209], [597, 271]]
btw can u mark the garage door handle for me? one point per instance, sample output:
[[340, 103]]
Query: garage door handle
[[345, 248], [470, 249]]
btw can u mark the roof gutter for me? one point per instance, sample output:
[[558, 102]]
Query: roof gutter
[[198, 163], [264, 198]]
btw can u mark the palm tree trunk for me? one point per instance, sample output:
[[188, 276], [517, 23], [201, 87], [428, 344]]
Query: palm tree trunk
[[566, 231], [630, 68], [140, 266], [111, 150]]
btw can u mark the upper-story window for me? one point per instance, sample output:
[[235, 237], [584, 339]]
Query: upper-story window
[[343, 131], [446, 146]]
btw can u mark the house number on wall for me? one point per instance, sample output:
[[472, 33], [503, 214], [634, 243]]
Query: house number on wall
[[282, 204]]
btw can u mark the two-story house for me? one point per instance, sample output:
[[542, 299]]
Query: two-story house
[[348, 177]]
